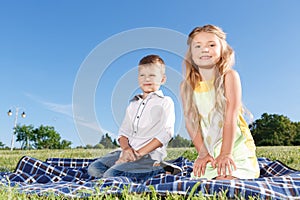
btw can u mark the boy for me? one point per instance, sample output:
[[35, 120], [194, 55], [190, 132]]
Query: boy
[[146, 130]]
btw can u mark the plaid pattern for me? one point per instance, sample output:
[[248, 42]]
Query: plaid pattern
[[69, 177]]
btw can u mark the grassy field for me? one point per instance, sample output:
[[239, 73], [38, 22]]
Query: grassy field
[[9, 159], [289, 155]]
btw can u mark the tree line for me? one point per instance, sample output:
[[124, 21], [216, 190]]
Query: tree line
[[43, 137], [275, 130], [269, 130]]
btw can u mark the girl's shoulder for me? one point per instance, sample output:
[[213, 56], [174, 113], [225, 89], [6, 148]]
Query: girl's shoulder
[[231, 75]]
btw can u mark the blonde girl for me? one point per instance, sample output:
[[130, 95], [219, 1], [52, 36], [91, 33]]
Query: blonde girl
[[211, 96]]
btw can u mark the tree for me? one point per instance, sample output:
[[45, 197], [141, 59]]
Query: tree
[[44, 137], [107, 142], [47, 138], [179, 141], [2, 145], [273, 130], [297, 137], [25, 135]]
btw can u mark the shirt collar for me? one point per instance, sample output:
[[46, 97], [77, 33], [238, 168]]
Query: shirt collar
[[158, 93]]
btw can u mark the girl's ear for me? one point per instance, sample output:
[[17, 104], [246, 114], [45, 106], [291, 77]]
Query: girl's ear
[[164, 79]]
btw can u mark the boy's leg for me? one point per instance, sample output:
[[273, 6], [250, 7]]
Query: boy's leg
[[141, 169], [99, 166]]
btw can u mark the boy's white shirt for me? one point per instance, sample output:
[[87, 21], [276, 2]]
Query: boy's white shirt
[[145, 119]]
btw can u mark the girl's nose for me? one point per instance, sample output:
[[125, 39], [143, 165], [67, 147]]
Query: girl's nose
[[205, 49]]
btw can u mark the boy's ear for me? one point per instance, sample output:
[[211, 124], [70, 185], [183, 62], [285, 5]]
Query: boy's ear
[[164, 79]]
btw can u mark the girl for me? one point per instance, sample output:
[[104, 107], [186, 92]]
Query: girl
[[211, 97]]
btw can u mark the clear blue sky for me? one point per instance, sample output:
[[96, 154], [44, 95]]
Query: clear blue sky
[[46, 45]]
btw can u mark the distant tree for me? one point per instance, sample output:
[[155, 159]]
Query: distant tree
[[89, 146], [98, 146], [65, 144], [25, 135], [47, 138], [44, 137], [179, 141], [297, 137], [2, 145], [116, 143], [107, 142], [273, 130]]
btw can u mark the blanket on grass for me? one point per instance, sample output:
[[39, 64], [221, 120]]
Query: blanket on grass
[[69, 177]]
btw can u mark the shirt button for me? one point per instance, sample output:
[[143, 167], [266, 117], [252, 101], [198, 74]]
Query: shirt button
[[138, 117], [143, 103]]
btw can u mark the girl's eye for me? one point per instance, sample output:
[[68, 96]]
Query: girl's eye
[[212, 45], [197, 46], [152, 75]]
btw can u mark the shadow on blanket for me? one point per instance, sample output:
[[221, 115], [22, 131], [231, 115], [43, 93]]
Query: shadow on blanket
[[69, 177]]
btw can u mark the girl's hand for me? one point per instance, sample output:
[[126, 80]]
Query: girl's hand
[[224, 164], [200, 164]]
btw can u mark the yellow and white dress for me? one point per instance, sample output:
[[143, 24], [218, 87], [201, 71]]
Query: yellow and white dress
[[212, 129]]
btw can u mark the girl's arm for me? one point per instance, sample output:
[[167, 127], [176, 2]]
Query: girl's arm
[[196, 137], [233, 94]]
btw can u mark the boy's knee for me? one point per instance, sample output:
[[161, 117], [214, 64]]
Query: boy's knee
[[111, 173], [93, 170]]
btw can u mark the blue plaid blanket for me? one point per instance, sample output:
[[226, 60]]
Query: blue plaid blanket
[[69, 177]]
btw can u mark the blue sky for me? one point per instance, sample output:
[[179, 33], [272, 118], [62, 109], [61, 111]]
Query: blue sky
[[46, 46]]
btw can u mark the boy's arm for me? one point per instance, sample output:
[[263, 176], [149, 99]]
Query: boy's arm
[[165, 136], [127, 152], [152, 145], [123, 141], [168, 119]]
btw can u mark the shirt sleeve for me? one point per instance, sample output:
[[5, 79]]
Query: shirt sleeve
[[168, 119], [125, 128]]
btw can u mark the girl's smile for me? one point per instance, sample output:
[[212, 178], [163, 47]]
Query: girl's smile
[[206, 50]]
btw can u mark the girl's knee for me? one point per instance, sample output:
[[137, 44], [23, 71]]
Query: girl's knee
[[227, 177]]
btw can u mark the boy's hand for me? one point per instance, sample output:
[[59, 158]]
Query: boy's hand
[[137, 155], [224, 164], [127, 155]]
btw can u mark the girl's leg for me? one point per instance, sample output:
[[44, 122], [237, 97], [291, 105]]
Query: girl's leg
[[98, 167], [141, 169], [227, 177]]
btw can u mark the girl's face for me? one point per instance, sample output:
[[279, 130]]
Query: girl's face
[[205, 50], [150, 78]]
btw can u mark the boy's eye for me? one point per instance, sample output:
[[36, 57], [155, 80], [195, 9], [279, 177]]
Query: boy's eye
[[197, 46], [212, 45]]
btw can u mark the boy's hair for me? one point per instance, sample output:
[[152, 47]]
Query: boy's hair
[[153, 59]]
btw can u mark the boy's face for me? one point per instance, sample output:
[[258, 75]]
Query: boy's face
[[150, 78]]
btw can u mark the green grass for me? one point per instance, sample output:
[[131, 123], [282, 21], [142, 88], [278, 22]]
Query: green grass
[[9, 159]]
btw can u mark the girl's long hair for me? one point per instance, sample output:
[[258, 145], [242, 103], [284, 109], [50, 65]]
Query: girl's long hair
[[192, 77]]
